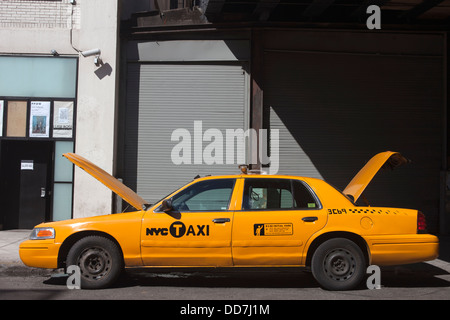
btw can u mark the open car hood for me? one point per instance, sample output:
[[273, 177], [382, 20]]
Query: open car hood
[[108, 180], [386, 159]]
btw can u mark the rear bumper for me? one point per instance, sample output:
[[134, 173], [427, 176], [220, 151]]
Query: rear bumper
[[39, 253], [402, 249]]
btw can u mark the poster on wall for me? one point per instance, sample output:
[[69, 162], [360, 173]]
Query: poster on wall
[[40, 119], [1, 117], [63, 119]]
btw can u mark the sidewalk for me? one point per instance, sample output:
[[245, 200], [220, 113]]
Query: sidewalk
[[11, 264]]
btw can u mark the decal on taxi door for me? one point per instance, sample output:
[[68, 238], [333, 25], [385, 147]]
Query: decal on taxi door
[[178, 230], [273, 229]]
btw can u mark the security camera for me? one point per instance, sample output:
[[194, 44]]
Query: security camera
[[91, 52]]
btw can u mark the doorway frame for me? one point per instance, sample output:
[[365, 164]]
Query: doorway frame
[[27, 138]]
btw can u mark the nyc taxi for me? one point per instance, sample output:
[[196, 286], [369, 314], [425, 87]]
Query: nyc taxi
[[245, 220]]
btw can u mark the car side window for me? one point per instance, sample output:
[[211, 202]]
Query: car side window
[[207, 195], [273, 194], [303, 198]]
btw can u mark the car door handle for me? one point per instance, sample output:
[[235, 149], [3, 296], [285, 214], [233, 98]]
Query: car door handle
[[221, 220], [310, 219]]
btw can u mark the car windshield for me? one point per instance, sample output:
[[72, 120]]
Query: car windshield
[[159, 207], [206, 195]]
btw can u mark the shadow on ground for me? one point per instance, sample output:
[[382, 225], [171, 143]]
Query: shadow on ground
[[418, 275]]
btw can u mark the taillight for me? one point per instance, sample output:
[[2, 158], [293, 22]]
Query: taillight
[[421, 223]]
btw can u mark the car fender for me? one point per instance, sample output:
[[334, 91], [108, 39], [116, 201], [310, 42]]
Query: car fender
[[331, 233], [124, 229]]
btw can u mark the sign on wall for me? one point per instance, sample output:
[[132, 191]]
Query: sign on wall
[[63, 119], [40, 119], [27, 165]]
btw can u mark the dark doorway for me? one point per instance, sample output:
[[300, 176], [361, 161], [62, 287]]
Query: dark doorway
[[26, 176]]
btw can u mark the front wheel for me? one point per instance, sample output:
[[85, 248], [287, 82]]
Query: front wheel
[[338, 264], [99, 259]]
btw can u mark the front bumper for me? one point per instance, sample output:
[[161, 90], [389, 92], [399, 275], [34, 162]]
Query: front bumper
[[402, 249], [39, 253]]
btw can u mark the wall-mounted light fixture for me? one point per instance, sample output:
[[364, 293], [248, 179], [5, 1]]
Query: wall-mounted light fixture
[[93, 52]]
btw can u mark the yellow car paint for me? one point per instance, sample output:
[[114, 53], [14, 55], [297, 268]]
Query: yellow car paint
[[241, 237], [108, 180], [356, 187]]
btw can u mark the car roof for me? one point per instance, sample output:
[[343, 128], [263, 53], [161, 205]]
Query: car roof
[[253, 175]]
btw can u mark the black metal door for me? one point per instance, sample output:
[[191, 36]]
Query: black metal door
[[33, 194]]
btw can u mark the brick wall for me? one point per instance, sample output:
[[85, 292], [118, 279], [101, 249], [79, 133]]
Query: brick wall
[[40, 14]]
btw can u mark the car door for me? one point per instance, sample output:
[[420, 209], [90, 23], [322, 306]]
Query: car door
[[196, 232], [277, 217]]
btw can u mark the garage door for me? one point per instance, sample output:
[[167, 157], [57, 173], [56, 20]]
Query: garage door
[[334, 111], [162, 98]]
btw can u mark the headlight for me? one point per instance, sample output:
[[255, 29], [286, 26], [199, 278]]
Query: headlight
[[42, 233]]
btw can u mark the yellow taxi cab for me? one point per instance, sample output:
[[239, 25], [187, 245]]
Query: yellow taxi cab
[[244, 220]]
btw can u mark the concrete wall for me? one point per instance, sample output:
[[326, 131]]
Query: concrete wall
[[96, 103], [37, 27]]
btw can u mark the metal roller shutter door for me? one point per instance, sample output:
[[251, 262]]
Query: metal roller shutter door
[[165, 97], [335, 111]]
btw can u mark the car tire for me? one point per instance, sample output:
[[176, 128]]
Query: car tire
[[99, 259], [338, 264]]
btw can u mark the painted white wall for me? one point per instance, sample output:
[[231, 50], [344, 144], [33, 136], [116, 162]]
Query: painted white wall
[[96, 103]]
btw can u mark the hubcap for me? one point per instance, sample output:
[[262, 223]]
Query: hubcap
[[339, 264], [94, 263]]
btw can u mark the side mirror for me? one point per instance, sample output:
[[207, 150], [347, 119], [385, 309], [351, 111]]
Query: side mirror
[[167, 205]]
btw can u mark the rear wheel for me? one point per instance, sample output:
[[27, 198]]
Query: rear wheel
[[338, 264], [99, 259]]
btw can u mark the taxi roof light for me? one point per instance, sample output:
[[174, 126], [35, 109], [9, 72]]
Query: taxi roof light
[[245, 169]]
